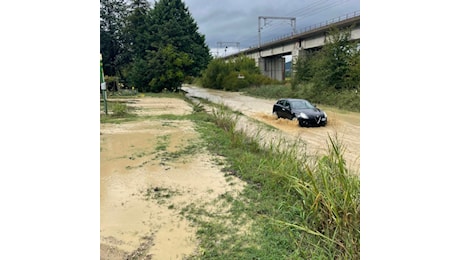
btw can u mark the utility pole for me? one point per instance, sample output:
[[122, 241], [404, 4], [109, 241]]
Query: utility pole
[[226, 44], [264, 18], [103, 87]]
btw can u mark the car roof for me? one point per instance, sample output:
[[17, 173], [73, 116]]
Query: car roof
[[292, 99]]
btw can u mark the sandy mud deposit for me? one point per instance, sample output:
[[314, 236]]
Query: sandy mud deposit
[[148, 175]]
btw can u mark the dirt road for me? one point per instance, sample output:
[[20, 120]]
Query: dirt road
[[345, 125]]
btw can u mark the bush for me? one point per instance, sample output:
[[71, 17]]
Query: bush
[[235, 81], [259, 80], [225, 75], [213, 76]]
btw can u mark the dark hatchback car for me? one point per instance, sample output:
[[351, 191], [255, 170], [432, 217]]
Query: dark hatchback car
[[300, 109]]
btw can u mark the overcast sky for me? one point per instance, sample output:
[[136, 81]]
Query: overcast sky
[[236, 21]]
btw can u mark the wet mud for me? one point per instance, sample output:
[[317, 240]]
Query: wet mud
[[148, 175], [345, 126]]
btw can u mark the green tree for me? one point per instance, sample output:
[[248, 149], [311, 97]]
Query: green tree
[[165, 46], [169, 66], [139, 74], [173, 24], [113, 15], [137, 34], [352, 77], [138, 37], [303, 67], [334, 67]]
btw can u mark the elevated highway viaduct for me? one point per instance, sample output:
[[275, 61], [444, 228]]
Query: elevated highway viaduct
[[269, 56]]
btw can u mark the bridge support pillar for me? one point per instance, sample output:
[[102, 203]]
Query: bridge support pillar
[[296, 54], [272, 67]]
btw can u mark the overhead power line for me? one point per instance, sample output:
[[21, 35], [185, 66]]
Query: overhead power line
[[314, 8], [264, 18]]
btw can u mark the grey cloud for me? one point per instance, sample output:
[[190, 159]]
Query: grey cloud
[[237, 20]]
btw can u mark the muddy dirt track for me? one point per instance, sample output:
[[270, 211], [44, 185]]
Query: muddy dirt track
[[149, 176], [344, 125]]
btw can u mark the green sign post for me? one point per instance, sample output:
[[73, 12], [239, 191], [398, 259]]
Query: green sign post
[[104, 93]]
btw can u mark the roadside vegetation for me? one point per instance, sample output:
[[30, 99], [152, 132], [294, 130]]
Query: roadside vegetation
[[329, 76], [289, 209], [233, 75], [344, 99]]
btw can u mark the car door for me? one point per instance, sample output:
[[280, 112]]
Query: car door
[[285, 110], [277, 108], [288, 110]]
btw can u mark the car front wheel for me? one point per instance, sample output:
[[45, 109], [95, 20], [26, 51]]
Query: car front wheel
[[302, 123]]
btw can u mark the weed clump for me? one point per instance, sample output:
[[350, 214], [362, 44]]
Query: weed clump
[[119, 109]]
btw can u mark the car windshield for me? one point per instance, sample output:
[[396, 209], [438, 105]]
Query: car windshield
[[301, 104]]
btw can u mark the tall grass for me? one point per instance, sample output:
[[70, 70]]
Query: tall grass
[[225, 118], [330, 205], [313, 203]]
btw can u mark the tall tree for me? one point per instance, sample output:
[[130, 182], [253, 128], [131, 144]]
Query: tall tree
[[334, 67], [113, 15], [173, 24], [138, 37], [164, 45], [337, 61], [137, 33]]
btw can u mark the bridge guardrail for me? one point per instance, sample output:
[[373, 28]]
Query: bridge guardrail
[[314, 27]]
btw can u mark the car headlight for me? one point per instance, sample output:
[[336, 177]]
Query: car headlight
[[325, 115], [303, 115]]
